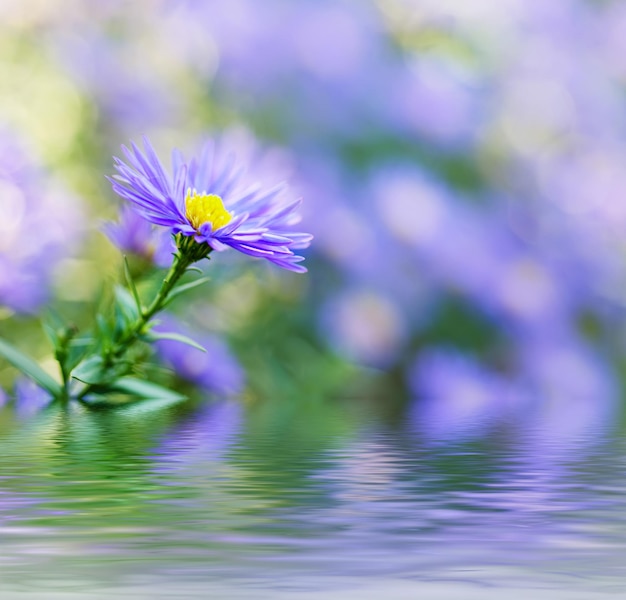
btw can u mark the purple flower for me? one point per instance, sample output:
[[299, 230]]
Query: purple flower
[[458, 396], [208, 199], [216, 369], [40, 225], [437, 99], [364, 325], [133, 234], [29, 397]]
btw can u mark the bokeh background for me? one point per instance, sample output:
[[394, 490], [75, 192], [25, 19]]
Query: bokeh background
[[436, 406], [461, 165]]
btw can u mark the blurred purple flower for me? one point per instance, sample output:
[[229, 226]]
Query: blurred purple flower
[[127, 97], [575, 383], [319, 71], [133, 234], [40, 224], [436, 99], [558, 386], [365, 326], [343, 233], [29, 397], [206, 199], [215, 370], [325, 40], [455, 395]]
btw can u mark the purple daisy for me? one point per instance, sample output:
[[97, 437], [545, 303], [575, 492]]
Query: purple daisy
[[208, 199]]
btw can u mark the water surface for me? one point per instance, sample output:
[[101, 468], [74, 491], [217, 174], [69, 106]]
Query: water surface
[[342, 499]]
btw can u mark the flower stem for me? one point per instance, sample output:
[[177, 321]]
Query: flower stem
[[189, 252], [61, 355], [177, 270]]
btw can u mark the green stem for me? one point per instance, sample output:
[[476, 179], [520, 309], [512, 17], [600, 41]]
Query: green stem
[[65, 386], [61, 355], [177, 270], [188, 253]]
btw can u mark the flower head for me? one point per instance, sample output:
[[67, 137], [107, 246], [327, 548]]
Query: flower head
[[208, 199]]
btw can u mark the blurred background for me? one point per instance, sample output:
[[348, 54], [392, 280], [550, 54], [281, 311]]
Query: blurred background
[[438, 401], [461, 165]]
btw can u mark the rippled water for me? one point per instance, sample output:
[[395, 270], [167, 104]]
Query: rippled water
[[339, 499]]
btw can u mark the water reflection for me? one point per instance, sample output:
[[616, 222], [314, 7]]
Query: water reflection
[[283, 494]]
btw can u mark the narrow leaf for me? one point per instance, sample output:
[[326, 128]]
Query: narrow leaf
[[181, 289], [145, 389], [51, 334], [131, 285], [77, 350], [30, 368], [102, 326], [126, 303], [154, 336], [89, 370], [53, 327], [81, 342]]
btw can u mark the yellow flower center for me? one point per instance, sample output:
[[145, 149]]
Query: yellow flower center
[[206, 208]]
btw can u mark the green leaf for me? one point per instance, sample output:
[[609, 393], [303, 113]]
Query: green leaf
[[126, 303], [89, 370], [131, 285], [185, 287], [77, 349], [30, 368], [102, 327], [53, 319], [54, 327], [52, 334], [145, 389], [81, 342], [175, 337]]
